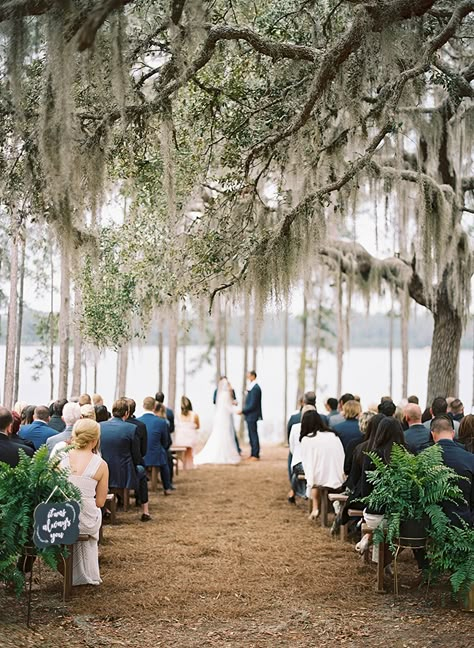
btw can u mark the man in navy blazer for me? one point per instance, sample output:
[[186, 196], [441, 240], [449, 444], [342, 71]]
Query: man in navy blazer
[[9, 451], [120, 448], [253, 413], [38, 431], [158, 440], [462, 462], [417, 437]]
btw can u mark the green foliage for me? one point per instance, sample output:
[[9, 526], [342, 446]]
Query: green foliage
[[21, 489], [46, 330], [414, 487], [411, 487]]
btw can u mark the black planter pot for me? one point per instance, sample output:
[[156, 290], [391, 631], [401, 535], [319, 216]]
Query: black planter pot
[[413, 533]]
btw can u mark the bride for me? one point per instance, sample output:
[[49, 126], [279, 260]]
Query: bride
[[220, 447]]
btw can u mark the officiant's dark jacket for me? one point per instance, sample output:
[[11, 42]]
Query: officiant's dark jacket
[[253, 404], [120, 448], [462, 462], [9, 451]]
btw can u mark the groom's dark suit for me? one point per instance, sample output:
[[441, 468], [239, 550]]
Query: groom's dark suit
[[253, 413]]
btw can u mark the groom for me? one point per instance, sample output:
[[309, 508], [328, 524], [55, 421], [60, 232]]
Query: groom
[[253, 413]]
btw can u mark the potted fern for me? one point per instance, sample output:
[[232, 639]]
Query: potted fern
[[22, 488], [410, 490]]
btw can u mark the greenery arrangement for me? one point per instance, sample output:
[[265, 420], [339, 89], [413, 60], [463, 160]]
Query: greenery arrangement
[[412, 487], [22, 488]]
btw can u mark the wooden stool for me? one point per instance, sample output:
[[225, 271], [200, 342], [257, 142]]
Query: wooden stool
[[178, 452], [124, 495], [339, 497], [111, 506], [68, 566]]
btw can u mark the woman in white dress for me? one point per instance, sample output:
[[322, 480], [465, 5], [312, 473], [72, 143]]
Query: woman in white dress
[[90, 474], [186, 431], [220, 447], [322, 455]]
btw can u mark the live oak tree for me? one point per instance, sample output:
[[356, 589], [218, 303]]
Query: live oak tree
[[246, 135]]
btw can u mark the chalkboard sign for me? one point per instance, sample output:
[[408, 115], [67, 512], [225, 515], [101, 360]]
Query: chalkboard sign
[[56, 523]]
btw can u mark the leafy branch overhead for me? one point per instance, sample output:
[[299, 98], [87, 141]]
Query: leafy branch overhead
[[239, 136]]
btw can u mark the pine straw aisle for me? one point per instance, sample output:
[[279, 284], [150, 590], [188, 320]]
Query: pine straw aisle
[[227, 561]]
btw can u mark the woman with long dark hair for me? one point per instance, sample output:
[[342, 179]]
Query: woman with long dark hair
[[322, 455]]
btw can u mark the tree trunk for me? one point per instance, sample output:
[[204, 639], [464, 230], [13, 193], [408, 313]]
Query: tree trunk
[[445, 349], [77, 346], [160, 359], [390, 352], [224, 337], [64, 319], [319, 321], [122, 367], [172, 356], [245, 344], [255, 335], [95, 373], [404, 322], [217, 337], [304, 342], [285, 375], [340, 336], [20, 321], [52, 325], [11, 322]]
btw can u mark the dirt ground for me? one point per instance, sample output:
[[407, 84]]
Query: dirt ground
[[227, 561]]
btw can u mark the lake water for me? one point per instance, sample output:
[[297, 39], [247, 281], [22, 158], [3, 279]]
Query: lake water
[[366, 372]]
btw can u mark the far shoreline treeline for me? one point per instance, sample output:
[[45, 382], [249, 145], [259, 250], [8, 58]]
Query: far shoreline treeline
[[365, 331]]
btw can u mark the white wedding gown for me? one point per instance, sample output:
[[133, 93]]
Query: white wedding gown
[[220, 447]]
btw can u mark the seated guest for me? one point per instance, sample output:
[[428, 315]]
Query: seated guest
[[97, 400], [9, 451], [417, 436], [158, 439], [101, 413], [439, 407], [90, 474], [39, 431], [466, 432], [331, 408], [85, 399], [363, 420], [88, 412], [141, 427], [295, 417], [298, 486], [389, 431], [386, 406], [27, 415], [339, 417], [322, 456], [14, 438], [19, 407], [348, 430], [413, 399], [71, 414], [456, 410], [56, 422], [462, 462], [120, 447]]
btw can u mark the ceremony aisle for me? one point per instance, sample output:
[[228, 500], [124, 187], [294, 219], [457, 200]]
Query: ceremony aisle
[[226, 561]]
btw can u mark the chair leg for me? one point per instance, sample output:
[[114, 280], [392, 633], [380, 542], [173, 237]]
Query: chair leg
[[68, 562], [323, 494], [126, 499], [343, 529], [380, 568]]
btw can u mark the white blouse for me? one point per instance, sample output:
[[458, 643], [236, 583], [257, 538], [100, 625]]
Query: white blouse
[[323, 460]]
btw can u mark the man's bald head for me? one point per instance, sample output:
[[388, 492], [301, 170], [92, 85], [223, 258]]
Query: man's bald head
[[442, 428], [412, 413]]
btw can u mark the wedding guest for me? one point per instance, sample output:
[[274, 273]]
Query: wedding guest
[[56, 422], [101, 413], [298, 486], [158, 439], [71, 414], [466, 432], [363, 422], [348, 430], [27, 415], [88, 412], [462, 462], [339, 417], [15, 428], [85, 399], [90, 474], [332, 411], [457, 410], [439, 406], [417, 436], [322, 456], [97, 400], [160, 398], [187, 431], [9, 451], [413, 399], [39, 431], [120, 447], [387, 406], [19, 407], [141, 427]]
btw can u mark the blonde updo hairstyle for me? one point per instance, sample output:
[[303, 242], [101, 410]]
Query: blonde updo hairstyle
[[85, 431]]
